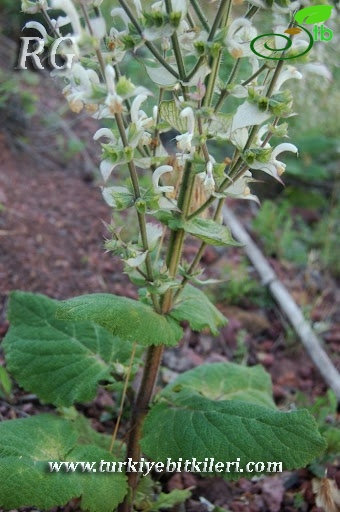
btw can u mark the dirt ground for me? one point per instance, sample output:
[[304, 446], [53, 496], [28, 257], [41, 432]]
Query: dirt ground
[[51, 241]]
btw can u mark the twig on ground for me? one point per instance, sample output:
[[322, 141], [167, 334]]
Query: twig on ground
[[287, 304]]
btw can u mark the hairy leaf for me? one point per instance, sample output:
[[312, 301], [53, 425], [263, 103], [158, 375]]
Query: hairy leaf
[[225, 381], [61, 362], [26, 448], [169, 500], [192, 426], [127, 318], [195, 307]]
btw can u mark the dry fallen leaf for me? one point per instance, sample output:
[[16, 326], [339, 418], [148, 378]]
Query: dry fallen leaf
[[327, 494]]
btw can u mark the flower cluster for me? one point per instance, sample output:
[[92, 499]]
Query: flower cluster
[[166, 38]]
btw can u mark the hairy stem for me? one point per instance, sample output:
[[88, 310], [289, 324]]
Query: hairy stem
[[200, 15], [176, 241], [176, 47], [148, 44], [139, 411], [136, 190], [220, 20], [200, 251], [98, 52], [221, 16]]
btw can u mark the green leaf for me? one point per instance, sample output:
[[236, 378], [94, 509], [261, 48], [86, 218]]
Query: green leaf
[[26, 448], [5, 382], [195, 307], [225, 381], [86, 434], [314, 14], [170, 500], [209, 231], [61, 362], [192, 426], [101, 491], [127, 318]]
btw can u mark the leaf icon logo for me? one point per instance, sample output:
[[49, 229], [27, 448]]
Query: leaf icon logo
[[314, 14]]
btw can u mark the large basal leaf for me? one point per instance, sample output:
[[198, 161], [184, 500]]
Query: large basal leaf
[[225, 381], [126, 318], [210, 232], [195, 307], [61, 362], [26, 448], [191, 420]]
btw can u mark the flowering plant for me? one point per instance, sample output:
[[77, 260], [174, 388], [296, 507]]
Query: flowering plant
[[222, 410]]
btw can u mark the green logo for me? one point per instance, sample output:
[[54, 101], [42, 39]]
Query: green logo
[[309, 15]]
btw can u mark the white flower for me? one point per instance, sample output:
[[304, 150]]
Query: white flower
[[240, 34], [287, 74], [79, 91], [186, 35], [105, 132], [139, 117], [208, 178], [189, 114], [163, 169], [139, 122], [159, 6], [138, 7], [68, 7], [98, 27], [180, 6], [280, 166], [184, 140], [274, 167], [120, 13], [145, 139], [182, 158], [39, 27], [113, 100], [240, 190], [255, 65]]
